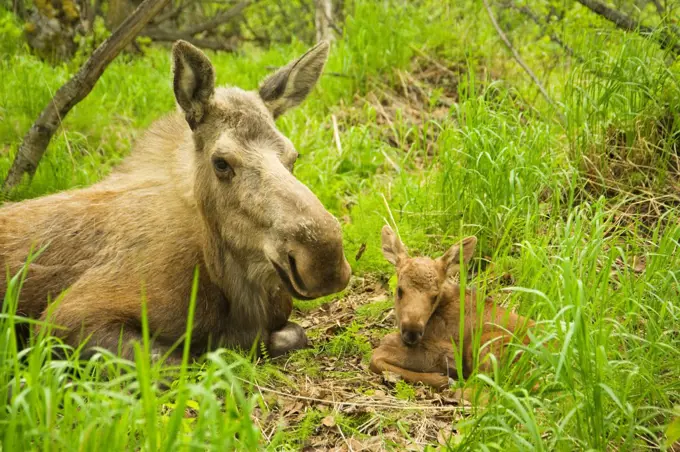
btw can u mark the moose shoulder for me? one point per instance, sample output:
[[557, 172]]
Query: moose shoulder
[[210, 186]]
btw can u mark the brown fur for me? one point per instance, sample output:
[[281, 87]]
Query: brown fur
[[428, 309], [209, 186]]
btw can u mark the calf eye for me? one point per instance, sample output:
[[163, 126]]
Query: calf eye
[[399, 292], [222, 168]]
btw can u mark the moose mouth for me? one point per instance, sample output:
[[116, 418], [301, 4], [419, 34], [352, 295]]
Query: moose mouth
[[292, 280]]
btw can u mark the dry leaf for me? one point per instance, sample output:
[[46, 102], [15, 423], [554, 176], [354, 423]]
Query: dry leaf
[[360, 253], [390, 377], [328, 421]]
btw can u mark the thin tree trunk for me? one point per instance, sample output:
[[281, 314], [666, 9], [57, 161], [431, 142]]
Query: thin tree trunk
[[76, 89], [322, 20]]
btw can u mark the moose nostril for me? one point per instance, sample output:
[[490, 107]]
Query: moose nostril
[[411, 337], [294, 272]]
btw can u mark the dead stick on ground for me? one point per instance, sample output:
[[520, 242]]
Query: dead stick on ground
[[76, 89], [393, 406], [519, 59], [336, 134]]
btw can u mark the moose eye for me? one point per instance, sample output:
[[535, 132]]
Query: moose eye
[[399, 292], [222, 167]]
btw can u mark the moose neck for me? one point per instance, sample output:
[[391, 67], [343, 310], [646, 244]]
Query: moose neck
[[244, 280]]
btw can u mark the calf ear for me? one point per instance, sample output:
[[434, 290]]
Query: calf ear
[[451, 260], [194, 81], [291, 84], [392, 248]]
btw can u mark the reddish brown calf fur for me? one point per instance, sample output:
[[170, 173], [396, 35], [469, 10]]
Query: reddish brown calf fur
[[428, 309]]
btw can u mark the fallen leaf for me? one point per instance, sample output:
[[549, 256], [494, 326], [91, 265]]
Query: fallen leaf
[[390, 377], [328, 421], [639, 264]]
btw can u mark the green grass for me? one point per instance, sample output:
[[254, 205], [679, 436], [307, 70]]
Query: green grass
[[559, 208]]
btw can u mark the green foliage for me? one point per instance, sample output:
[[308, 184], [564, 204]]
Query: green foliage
[[404, 391], [86, 44], [11, 32], [373, 311], [351, 342], [556, 208], [54, 404]]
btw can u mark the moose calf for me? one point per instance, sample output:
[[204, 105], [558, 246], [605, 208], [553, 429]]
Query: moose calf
[[428, 307]]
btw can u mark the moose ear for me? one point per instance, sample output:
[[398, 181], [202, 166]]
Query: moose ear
[[291, 84], [392, 248], [194, 81], [451, 259]]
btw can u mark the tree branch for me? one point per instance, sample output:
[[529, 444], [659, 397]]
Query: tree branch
[[528, 12], [220, 19], [666, 40], [159, 34], [516, 56], [76, 89]]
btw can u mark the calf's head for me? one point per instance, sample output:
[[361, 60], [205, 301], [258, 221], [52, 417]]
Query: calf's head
[[420, 280], [257, 213]]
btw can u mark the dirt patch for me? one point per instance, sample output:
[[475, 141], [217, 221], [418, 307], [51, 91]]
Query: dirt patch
[[334, 402]]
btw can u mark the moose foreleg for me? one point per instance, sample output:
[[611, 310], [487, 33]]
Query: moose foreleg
[[117, 337], [291, 337]]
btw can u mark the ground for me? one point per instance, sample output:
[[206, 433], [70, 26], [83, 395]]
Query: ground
[[359, 410]]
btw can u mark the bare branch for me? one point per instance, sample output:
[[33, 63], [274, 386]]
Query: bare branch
[[172, 14], [666, 40], [659, 7], [516, 56], [158, 34], [220, 19], [76, 89], [528, 12]]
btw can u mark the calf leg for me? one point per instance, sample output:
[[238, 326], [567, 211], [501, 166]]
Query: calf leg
[[395, 357], [492, 342]]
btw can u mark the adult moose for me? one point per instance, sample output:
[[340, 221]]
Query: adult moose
[[210, 186]]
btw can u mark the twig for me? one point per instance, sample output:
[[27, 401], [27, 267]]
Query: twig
[[158, 34], [331, 23], [395, 406], [526, 11], [336, 134], [349, 446], [666, 40], [334, 74], [659, 7], [170, 14], [433, 61], [76, 89], [220, 19], [518, 58]]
